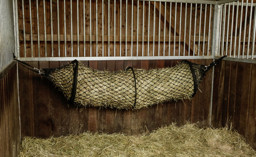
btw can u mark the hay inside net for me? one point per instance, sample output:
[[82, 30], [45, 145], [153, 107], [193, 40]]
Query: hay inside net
[[188, 140], [131, 88]]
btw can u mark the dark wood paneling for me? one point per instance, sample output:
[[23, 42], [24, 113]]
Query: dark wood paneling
[[9, 113], [45, 112], [234, 98]]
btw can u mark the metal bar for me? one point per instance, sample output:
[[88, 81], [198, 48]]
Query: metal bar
[[31, 29], [254, 33], [138, 17], [249, 31], [51, 27], [148, 24], [219, 45], [143, 22], [58, 26], [84, 26], [240, 29], [190, 25], [185, 29], [180, 26], [245, 22], [223, 31], [120, 33], [214, 2], [231, 33], [38, 28], [16, 27], [200, 19], [209, 31], [108, 27], [103, 27], [170, 29], [114, 28], [65, 30], [164, 27], [227, 34], [132, 31], [237, 7], [154, 28], [159, 28], [77, 7], [90, 28], [205, 11], [195, 31], [113, 58], [96, 8], [216, 30], [24, 28], [71, 27], [175, 21], [126, 16]]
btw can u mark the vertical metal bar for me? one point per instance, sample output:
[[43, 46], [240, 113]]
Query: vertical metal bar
[[190, 25], [38, 28], [195, 31], [159, 28], [132, 31], [65, 29], [154, 28], [126, 16], [170, 29], [31, 29], [45, 37], [185, 29], [237, 7], [90, 28], [254, 33], [114, 27], [108, 27], [96, 8], [219, 45], [231, 33], [175, 21], [84, 27], [138, 17], [51, 27], [58, 26], [71, 27], [148, 24], [103, 27], [205, 11], [24, 28], [164, 27], [180, 26], [77, 7], [249, 32], [120, 33], [227, 34], [200, 19], [223, 30], [209, 30], [143, 21], [240, 29], [245, 25]]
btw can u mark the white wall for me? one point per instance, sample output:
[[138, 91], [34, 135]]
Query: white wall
[[7, 43]]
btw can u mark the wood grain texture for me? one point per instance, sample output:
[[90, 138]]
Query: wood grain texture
[[45, 112], [9, 113], [234, 98]]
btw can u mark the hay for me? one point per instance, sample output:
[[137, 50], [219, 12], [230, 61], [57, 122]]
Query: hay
[[126, 89], [188, 140]]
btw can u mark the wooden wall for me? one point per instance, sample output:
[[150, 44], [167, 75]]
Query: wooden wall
[[44, 111], [235, 98], [9, 112]]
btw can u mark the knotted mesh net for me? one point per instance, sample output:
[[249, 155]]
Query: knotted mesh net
[[130, 88]]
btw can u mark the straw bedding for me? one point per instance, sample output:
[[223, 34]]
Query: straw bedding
[[186, 141], [130, 88]]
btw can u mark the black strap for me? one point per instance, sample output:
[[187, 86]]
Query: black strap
[[75, 73], [34, 69], [134, 77]]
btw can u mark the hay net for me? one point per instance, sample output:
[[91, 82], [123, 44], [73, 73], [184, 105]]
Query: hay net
[[127, 89]]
